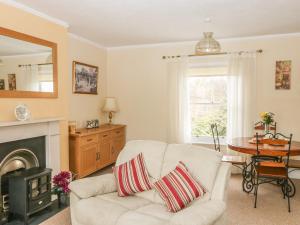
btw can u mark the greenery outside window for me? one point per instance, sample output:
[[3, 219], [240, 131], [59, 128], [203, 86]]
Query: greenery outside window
[[208, 103]]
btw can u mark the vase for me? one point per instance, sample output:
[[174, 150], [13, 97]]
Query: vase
[[63, 199], [267, 128]]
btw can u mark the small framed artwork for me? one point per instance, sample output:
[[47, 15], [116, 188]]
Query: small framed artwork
[[85, 78], [12, 82], [283, 75], [2, 84]]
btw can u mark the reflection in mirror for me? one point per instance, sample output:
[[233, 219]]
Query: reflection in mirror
[[25, 66]]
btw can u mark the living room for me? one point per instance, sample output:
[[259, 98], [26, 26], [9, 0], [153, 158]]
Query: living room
[[220, 75]]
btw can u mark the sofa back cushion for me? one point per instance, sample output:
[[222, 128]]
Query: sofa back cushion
[[203, 163], [153, 152]]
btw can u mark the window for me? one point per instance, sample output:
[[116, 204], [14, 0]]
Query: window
[[208, 103], [45, 72], [46, 86]]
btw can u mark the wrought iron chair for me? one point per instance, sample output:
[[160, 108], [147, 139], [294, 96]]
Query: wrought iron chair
[[260, 125], [270, 171], [235, 160]]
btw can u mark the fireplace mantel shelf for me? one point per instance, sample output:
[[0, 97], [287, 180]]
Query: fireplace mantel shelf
[[32, 121]]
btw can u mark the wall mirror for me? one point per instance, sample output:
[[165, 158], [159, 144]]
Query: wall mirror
[[28, 66]]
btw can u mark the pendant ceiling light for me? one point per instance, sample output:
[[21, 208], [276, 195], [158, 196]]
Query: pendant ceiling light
[[207, 45]]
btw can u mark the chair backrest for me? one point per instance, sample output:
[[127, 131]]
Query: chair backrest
[[276, 139], [260, 125], [215, 134]]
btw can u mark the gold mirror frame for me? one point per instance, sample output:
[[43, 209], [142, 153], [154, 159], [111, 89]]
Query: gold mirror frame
[[35, 40]]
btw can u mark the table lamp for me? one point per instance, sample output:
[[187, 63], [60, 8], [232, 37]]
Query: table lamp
[[110, 106]]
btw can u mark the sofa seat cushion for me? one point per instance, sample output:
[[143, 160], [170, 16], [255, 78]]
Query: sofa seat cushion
[[156, 210], [130, 202], [97, 211], [133, 217], [199, 213]]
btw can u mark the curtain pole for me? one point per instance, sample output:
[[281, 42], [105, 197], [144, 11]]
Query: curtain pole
[[207, 54]]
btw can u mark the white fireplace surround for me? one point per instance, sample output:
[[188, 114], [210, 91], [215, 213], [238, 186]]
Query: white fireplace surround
[[48, 127]]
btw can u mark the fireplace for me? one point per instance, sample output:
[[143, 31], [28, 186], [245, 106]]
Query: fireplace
[[16, 156], [25, 145]]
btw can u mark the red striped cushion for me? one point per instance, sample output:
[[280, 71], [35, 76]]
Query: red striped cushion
[[132, 176], [178, 188]]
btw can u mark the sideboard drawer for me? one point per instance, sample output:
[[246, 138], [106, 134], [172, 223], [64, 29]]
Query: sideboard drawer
[[119, 132], [89, 139], [105, 137]]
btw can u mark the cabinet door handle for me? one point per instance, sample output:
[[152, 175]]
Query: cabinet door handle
[[118, 132], [89, 139], [105, 135]]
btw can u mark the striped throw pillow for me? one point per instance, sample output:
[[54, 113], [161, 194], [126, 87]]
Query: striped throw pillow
[[178, 188], [132, 176]]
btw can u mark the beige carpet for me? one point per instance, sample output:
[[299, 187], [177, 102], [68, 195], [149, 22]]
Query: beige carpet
[[271, 208], [61, 218]]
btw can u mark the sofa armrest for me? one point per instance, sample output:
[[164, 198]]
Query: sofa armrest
[[92, 186], [221, 182], [200, 213]]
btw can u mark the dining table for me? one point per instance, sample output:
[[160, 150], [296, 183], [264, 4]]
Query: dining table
[[246, 145]]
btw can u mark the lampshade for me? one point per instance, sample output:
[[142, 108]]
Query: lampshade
[[110, 105], [207, 45]]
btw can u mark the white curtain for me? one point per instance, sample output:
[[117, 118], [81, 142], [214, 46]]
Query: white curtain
[[179, 124], [241, 96], [29, 78]]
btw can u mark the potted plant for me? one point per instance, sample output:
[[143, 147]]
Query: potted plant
[[61, 183], [267, 118]]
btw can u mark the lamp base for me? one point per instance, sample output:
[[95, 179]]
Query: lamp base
[[110, 117]]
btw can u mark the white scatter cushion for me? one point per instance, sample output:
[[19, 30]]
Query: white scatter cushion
[[203, 163], [153, 152]]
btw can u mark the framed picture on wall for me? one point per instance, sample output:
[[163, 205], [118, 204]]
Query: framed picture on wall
[[12, 82], [85, 78], [2, 84], [283, 74]]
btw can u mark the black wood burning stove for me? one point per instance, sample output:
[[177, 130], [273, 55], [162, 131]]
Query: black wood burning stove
[[25, 182], [29, 192]]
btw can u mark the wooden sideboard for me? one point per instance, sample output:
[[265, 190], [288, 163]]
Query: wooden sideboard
[[94, 149]]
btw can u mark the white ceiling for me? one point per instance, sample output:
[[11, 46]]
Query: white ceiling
[[134, 22], [12, 47]]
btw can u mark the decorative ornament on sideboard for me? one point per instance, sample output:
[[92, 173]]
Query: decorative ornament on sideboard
[[111, 107]]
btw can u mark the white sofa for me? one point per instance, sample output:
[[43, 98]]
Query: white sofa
[[94, 201]]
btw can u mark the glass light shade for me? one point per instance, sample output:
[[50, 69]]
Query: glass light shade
[[110, 105], [207, 45]]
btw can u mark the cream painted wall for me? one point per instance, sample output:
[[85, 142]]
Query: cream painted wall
[[137, 78], [18, 20], [85, 107]]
